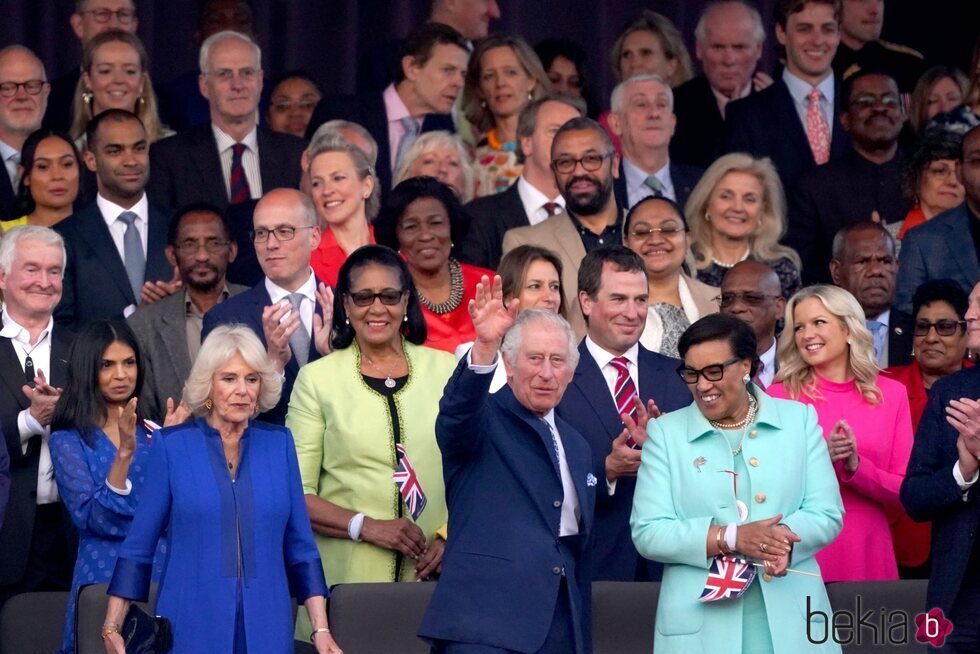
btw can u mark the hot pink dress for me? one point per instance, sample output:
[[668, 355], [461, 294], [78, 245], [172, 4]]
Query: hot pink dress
[[863, 551]]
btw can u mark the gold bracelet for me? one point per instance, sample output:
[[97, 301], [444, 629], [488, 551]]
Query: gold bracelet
[[320, 630], [719, 542], [109, 628]]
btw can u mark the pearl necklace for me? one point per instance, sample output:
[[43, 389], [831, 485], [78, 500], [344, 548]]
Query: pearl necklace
[[741, 424], [455, 291], [729, 265]]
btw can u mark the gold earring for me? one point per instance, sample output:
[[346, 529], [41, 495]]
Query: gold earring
[[208, 404], [87, 100], [707, 217]]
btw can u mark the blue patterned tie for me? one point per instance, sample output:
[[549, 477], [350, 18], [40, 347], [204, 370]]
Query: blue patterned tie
[[654, 185], [412, 131], [299, 342], [134, 258], [879, 331]]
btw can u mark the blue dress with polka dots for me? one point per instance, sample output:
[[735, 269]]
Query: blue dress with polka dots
[[101, 515]]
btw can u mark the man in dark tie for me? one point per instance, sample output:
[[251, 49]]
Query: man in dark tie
[[643, 119], [751, 292], [36, 538], [520, 492], [535, 196], [288, 309], [23, 99], [115, 246], [614, 370], [232, 159], [865, 264]]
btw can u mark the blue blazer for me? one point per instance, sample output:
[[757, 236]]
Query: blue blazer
[[937, 249], [95, 284], [255, 529], [246, 309], [503, 563], [930, 492], [589, 407]]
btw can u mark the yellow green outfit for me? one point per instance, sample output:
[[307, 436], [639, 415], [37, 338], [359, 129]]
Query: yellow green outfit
[[15, 222]]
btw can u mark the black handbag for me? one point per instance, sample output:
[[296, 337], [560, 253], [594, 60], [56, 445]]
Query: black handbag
[[146, 634]]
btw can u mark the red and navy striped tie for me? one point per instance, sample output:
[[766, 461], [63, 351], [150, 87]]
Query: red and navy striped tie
[[239, 183], [625, 391]]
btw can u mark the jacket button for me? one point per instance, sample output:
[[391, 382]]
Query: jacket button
[[754, 462], [767, 577], [556, 570], [753, 433], [760, 497], [557, 504]]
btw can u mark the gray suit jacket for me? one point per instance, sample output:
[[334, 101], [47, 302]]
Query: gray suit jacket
[[161, 330]]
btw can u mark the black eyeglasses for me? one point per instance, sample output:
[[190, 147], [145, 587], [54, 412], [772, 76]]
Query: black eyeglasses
[[213, 246], [282, 233], [389, 297], [591, 162], [124, 16], [945, 327], [712, 373], [32, 86], [748, 298]]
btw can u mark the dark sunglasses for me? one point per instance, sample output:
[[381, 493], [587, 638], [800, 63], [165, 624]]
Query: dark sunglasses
[[945, 327], [712, 373], [389, 297]]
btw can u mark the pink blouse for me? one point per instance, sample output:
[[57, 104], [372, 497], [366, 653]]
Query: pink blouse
[[863, 551]]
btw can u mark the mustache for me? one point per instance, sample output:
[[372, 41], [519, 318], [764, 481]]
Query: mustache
[[582, 178]]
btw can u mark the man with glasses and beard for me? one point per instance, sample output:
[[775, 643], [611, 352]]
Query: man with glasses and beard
[[169, 331], [585, 164]]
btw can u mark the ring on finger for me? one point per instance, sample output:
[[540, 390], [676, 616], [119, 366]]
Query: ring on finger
[[764, 548]]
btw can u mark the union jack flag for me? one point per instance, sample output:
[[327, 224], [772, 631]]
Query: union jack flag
[[151, 428], [728, 578], [408, 483]]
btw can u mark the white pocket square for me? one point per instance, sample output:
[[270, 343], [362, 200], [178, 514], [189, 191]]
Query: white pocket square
[[590, 480]]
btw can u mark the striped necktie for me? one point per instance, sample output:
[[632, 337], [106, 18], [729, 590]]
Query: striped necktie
[[240, 192], [625, 391]]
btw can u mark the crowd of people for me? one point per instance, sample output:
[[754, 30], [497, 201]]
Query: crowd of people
[[475, 324]]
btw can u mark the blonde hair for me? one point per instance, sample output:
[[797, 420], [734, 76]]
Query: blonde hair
[[146, 105], [218, 349], [764, 243], [798, 376], [671, 42], [335, 142], [439, 140]]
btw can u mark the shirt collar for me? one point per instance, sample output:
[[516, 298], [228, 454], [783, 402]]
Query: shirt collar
[[7, 151], [532, 197], [885, 317], [191, 309], [395, 108], [768, 357], [723, 99], [799, 89], [636, 178], [580, 227], [225, 142], [14, 331], [111, 211], [603, 357], [277, 293], [550, 419]]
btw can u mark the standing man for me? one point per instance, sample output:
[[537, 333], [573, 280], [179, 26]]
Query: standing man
[[199, 245], [643, 119], [751, 292], [861, 46], [520, 491], [23, 99], [793, 121], [115, 246], [290, 309], [232, 159], [535, 196], [585, 164], [36, 537], [613, 371], [728, 43]]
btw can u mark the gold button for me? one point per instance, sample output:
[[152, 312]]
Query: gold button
[[753, 433], [767, 577], [760, 497], [754, 462]]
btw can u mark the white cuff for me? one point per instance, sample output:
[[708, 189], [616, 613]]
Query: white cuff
[[481, 369], [611, 487], [28, 427], [354, 527], [127, 491], [130, 309], [964, 484], [731, 532]]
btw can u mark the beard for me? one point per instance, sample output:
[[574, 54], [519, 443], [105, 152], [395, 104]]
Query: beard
[[591, 202]]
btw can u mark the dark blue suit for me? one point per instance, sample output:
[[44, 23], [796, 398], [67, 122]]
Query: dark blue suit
[[589, 407], [504, 563], [4, 480], [95, 284], [683, 177], [246, 309], [930, 492]]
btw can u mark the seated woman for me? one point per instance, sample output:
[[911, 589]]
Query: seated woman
[[940, 90], [99, 449], [346, 195], [531, 275], [441, 155], [742, 496], [939, 307], [737, 212], [367, 410], [656, 230], [292, 101], [422, 219], [930, 180], [226, 488], [49, 180], [826, 359]]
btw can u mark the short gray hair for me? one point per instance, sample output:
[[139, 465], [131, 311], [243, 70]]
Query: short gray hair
[[217, 38], [514, 338], [10, 239], [220, 347], [840, 238], [333, 141], [701, 29], [616, 100], [335, 129], [437, 140]]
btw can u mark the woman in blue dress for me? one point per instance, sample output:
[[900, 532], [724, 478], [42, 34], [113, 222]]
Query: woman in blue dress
[[227, 490], [99, 449]]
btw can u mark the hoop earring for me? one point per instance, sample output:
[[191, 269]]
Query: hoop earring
[[208, 404]]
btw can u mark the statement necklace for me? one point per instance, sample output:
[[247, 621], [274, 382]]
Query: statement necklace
[[455, 291], [500, 146]]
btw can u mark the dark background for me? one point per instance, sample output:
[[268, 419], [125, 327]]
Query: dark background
[[326, 37]]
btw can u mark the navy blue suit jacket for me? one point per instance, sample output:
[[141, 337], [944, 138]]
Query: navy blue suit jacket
[[95, 284], [4, 480], [368, 111], [504, 562], [8, 197], [683, 177], [246, 309], [589, 407], [490, 218], [766, 124], [929, 491]]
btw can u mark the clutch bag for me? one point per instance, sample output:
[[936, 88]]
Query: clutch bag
[[146, 634]]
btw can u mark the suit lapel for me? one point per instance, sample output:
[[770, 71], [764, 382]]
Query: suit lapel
[[619, 187], [512, 208], [93, 230], [965, 257], [271, 165], [567, 238], [60, 345], [12, 372], [592, 384], [204, 155], [579, 468], [157, 266], [172, 330], [797, 132]]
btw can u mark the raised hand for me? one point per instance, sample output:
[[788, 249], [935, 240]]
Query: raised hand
[[761, 81], [156, 291], [176, 414], [279, 321], [322, 326], [622, 460], [843, 446], [127, 427], [491, 319], [43, 399], [644, 414]]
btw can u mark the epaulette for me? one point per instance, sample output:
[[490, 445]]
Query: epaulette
[[903, 49]]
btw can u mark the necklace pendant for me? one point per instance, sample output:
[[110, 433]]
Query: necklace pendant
[[389, 382]]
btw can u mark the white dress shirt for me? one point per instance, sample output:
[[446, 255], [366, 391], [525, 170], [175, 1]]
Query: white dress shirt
[[799, 90], [534, 201], [11, 161], [885, 319], [307, 306], [250, 159], [27, 425], [636, 187], [768, 359]]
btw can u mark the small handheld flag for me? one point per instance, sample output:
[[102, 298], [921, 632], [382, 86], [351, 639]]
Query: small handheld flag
[[728, 578], [408, 483]]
